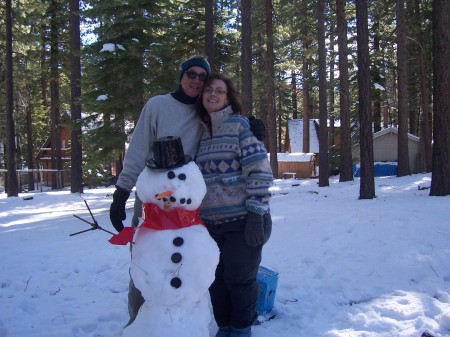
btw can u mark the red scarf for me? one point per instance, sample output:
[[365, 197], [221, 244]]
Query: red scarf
[[159, 219]]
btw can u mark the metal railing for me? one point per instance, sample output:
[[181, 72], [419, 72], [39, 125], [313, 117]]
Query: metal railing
[[39, 174]]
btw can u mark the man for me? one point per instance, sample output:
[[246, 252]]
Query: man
[[171, 114]]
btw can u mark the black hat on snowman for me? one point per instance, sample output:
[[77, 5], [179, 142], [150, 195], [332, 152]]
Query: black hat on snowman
[[168, 153]]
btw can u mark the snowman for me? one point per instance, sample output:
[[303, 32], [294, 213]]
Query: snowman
[[173, 257]]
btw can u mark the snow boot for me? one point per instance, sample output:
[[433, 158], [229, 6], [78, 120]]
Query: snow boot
[[245, 332], [223, 331]]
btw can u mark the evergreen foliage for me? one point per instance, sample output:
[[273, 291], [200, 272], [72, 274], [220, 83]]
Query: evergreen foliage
[[132, 49]]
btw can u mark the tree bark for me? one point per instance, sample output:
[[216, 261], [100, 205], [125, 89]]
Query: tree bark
[[246, 57], [323, 131], [345, 151], [294, 95], [209, 31], [43, 62], [331, 112], [424, 92], [271, 90], [440, 182], [306, 106], [367, 184], [306, 76], [54, 96], [402, 89], [377, 95], [30, 145], [76, 185], [12, 188]]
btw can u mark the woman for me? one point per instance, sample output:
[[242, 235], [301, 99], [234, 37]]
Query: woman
[[235, 209]]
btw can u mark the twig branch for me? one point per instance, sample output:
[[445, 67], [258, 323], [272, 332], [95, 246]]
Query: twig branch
[[26, 286]]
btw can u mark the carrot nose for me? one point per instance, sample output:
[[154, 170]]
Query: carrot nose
[[163, 194]]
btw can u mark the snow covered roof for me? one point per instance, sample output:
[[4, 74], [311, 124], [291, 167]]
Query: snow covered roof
[[295, 157], [393, 130], [295, 127]]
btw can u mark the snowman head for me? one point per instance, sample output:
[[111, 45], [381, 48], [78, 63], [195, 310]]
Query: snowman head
[[171, 180]]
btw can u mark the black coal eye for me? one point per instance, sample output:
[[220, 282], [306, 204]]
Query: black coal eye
[[182, 176], [171, 175]]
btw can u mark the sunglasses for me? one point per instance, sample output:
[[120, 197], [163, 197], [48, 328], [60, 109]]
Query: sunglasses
[[192, 75]]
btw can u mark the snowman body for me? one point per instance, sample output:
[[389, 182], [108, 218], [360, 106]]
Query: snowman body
[[173, 257]]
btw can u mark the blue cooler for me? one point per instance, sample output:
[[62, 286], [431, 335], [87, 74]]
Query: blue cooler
[[267, 286]]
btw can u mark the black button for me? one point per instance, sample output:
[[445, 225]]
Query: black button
[[176, 257], [175, 282], [178, 241]]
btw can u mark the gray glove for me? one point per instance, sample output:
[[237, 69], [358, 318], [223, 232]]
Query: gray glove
[[254, 230]]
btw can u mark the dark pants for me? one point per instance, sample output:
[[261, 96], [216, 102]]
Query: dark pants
[[234, 291], [135, 299]]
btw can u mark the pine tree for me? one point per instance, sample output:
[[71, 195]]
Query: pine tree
[[345, 163], [323, 115], [367, 184], [440, 182], [402, 153], [11, 181], [76, 182]]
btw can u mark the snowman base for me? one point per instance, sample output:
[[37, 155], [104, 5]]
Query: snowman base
[[157, 321], [173, 269]]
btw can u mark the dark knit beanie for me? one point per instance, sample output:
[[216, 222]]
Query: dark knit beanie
[[198, 61]]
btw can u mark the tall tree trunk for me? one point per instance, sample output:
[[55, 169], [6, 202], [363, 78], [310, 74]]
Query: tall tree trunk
[[261, 66], [440, 182], [12, 188], [402, 82], [367, 184], [43, 64], [323, 131], [412, 68], [209, 31], [76, 183], [305, 106], [377, 96], [306, 77], [30, 145], [424, 92], [246, 57], [279, 126], [345, 163], [294, 95], [54, 96], [331, 112], [271, 90]]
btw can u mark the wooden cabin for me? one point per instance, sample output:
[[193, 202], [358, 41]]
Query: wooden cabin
[[44, 157]]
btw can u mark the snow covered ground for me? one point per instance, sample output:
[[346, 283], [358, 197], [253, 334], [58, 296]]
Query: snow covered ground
[[347, 267]]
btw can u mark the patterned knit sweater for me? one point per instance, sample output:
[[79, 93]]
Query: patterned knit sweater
[[236, 170]]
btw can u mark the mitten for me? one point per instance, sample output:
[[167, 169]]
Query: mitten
[[258, 128], [267, 226], [117, 209], [254, 229]]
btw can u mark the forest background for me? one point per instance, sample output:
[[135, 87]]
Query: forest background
[[367, 64]]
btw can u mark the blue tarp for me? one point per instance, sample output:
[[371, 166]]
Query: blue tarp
[[379, 169]]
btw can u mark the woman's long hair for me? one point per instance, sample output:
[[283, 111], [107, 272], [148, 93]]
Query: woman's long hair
[[234, 97]]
